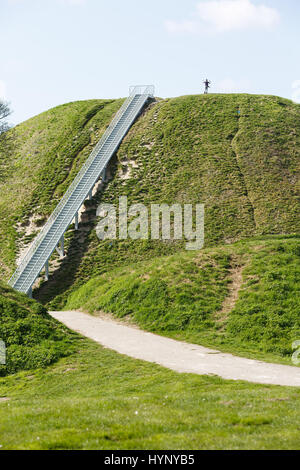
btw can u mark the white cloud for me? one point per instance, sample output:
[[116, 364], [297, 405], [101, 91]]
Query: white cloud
[[296, 91], [221, 16], [2, 90]]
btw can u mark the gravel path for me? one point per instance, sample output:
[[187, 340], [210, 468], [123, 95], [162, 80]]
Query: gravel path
[[176, 355]]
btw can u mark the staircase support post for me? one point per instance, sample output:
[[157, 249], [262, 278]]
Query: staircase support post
[[47, 271], [76, 221], [90, 194], [104, 179], [62, 246]]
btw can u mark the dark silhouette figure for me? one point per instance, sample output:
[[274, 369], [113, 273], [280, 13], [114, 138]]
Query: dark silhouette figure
[[207, 86]]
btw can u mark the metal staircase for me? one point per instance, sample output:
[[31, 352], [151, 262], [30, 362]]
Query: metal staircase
[[52, 234]]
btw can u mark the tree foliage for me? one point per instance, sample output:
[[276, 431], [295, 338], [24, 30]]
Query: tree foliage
[[6, 139], [4, 113]]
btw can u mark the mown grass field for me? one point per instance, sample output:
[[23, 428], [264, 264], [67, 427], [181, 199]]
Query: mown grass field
[[97, 399]]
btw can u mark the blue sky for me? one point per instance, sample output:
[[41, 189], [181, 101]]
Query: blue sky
[[56, 51]]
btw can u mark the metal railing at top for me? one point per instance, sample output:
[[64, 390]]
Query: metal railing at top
[[137, 90], [142, 90]]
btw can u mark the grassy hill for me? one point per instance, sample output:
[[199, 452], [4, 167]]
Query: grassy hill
[[237, 154], [241, 298], [33, 339], [45, 154]]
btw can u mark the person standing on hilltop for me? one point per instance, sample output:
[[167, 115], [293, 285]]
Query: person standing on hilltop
[[207, 86]]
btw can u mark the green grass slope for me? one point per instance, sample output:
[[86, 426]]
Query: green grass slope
[[32, 338], [241, 298], [237, 154], [46, 152]]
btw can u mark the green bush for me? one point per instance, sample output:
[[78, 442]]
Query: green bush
[[32, 338]]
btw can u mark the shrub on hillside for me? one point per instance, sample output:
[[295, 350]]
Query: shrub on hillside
[[32, 338]]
